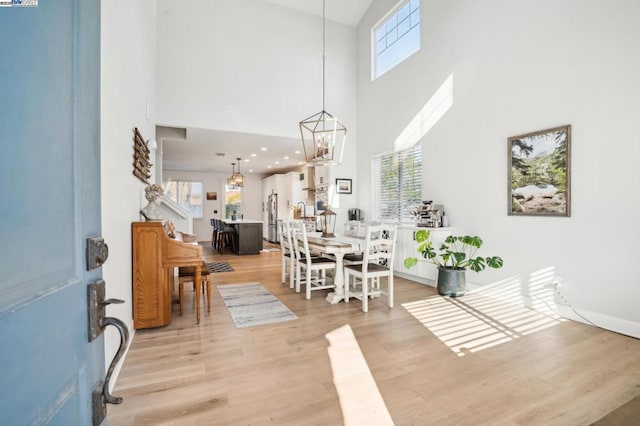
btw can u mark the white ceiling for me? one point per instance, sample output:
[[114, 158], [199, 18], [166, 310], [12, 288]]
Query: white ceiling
[[198, 151], [345, 11], [259, 154]]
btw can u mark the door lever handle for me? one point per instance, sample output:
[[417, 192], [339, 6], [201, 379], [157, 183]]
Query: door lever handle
[[124, 341], [98, 321]]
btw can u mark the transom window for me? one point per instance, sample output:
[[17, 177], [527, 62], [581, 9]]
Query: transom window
[[396, 37], [397, 184]]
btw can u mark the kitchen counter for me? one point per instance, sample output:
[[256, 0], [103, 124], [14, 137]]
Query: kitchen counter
[[248, 235], [232, 222]]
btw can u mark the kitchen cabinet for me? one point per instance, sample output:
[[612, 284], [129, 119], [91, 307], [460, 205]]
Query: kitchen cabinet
[[406, 246], [292, 192]]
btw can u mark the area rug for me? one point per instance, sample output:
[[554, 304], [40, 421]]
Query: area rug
[[219, 267], [250, 304]]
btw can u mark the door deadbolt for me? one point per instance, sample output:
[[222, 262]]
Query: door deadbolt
[[97, 252]]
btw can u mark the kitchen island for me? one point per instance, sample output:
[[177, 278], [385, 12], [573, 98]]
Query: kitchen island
[[248, 238]]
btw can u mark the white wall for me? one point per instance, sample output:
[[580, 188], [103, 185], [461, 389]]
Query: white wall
[[127, 93], [250, 66], [519, 67], [214, 182], [255, 67]]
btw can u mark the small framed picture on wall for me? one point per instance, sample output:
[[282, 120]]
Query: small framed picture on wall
[[343, 186]]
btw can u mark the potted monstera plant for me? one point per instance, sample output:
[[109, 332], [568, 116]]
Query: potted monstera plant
[[453, 258]]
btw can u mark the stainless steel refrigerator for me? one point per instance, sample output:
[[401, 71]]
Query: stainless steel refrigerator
[[272, 217]]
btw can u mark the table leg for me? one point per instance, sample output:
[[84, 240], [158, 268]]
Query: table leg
[[338, 280], [198, 282]]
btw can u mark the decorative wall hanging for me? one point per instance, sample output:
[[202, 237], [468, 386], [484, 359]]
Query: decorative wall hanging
[[212, 195], [141, 157], [539, 173]]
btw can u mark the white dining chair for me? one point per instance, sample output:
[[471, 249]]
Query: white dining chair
[[315, 268], [379, 247], [288, 255]]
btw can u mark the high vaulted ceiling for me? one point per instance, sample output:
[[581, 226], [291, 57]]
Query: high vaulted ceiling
[[193, 149], [345, 11]]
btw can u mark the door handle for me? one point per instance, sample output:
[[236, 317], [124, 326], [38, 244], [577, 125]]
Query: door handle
[[124, 341], [98, 321]]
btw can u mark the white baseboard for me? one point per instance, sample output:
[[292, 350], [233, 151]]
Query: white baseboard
[[415, 278], [618, 325], [606, 322], [116, 371]]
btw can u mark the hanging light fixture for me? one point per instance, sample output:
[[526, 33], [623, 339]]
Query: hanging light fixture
[[323, 135], [238, 177], [231, 182]]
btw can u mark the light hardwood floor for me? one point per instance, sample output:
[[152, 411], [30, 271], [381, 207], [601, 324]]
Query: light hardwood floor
[[216, 374]]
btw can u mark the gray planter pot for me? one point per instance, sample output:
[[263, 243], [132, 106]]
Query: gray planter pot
[[451, 282]]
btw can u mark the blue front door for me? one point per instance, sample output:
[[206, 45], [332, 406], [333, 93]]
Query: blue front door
[[49, 205]]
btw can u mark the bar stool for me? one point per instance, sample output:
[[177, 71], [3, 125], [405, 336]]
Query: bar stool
[[226, 235], [214, 233], [187, 274]]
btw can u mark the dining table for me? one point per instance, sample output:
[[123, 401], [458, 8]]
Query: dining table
[[337, 246]]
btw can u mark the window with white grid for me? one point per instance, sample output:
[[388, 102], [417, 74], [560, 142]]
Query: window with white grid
[[397, 184], [396, 37]]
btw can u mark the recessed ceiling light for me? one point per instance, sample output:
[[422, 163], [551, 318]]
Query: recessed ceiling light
[[277, 162], [297, 151], [300, 163], [253, 155], [250, 170], [246, 160], [263, 149], [269, 166], [286, 157]]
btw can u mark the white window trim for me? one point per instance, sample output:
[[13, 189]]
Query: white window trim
[[372, 50], [374, 196]]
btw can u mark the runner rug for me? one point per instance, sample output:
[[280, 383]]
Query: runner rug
[[219, 267], [250, 304]]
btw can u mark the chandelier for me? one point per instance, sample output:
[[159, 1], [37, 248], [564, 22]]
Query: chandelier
[[238, 177], [231, 182], [323, 135]]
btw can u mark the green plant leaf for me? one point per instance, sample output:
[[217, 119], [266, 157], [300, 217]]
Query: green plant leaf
[[459, 257], [471, 241], [477, 264], [410, 262], [494, 262], [422, 235], [450, 240]]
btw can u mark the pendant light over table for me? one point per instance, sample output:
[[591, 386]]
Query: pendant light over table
[[323, 135]]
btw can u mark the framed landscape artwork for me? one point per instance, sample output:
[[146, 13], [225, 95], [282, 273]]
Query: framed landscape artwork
[[539, 173], [343, 186]]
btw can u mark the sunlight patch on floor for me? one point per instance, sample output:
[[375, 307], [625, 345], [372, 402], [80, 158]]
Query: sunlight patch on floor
[[360, 399], [491, 316]]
